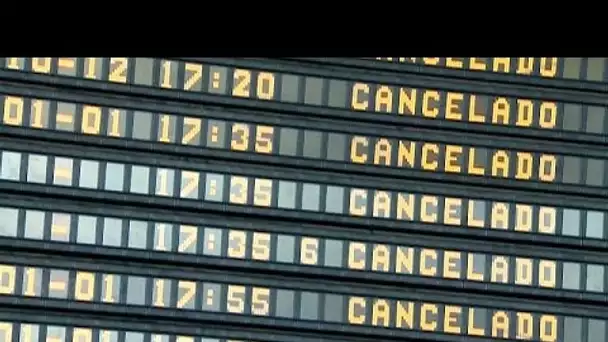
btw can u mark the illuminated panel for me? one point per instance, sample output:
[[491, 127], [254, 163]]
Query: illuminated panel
[[307, 143], [239, 82], [263, 192], [408, 261], [280, 302], [575, 68], [26, 332]]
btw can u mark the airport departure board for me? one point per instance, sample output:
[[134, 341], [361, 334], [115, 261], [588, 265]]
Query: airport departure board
[[303, 199]]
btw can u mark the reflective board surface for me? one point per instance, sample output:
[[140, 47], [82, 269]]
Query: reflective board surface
[[196, 187], [415, 263], [30, 332]]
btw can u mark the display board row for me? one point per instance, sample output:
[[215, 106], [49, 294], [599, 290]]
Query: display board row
[[552, 273], [426, 155], [204, 295]]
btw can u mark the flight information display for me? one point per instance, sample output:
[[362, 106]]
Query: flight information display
[[303, 199], [174, 77], [412, 262], [195, 187], [409, 151]]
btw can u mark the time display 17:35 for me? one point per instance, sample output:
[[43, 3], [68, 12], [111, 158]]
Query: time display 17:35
[[242, 136], [407, 260], [211, 187]]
